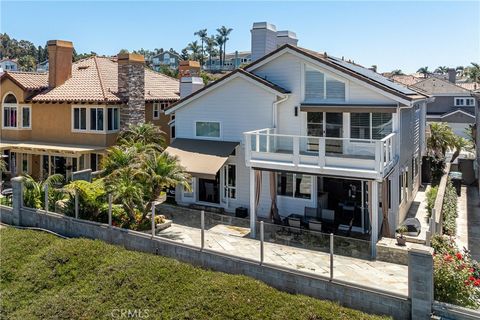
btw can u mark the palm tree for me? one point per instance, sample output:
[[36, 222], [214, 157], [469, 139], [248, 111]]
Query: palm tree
[[224, 32], [142, 136], [424, 71], [219, 40], [210, 49], [118, 157], [460, 71], [202, 34], [459, 143], [473, 72], [440, 140], [195, 49], [441, 70], [397, 72], [34, 191]]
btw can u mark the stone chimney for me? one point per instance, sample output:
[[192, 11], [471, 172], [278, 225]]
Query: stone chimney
[[452, 75], [131, 88], [286, 37], [189, 85], [264, 39], [60, 54]]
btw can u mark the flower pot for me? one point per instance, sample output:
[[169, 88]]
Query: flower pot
[[401, 241]]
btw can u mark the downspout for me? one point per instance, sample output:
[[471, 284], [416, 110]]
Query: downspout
[[274, 110]]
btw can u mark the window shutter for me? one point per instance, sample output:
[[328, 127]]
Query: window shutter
[[381, 125], [314, 85], [360, 125], [335, 89]]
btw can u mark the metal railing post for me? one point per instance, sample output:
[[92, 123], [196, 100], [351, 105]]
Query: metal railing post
[[76, 204], [202, 226], [46, 197], [110, 210], [153, 219], [331, 256], [261, 242]]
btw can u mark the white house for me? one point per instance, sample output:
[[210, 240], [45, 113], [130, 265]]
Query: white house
[[300, 133], [8, 65]]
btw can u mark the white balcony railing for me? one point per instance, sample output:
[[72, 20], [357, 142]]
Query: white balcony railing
[[268, 149]]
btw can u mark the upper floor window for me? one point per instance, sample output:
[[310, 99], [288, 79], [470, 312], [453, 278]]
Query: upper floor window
[[319, 86], [156, 110], [80, 118], [10, 98], [374, 126], [464, 102], [207, 129], [15, 115], [26, 117], [99, 119], [113, 119], [9, 116], [96, 119]]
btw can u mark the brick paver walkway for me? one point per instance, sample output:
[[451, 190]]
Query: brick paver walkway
[[234, 241]]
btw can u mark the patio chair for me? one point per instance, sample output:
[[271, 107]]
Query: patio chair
[[309, 213], [328, 218], [294, 222]]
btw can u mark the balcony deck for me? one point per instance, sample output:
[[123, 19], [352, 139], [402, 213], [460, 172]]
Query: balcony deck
[[346, 157]]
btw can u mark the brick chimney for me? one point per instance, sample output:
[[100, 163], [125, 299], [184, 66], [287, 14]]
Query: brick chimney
[[60, 54], [131, 88], [452, 75]]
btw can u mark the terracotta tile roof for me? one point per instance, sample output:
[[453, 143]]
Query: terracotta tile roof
[[28, 80], [406, 79], [94, 79]]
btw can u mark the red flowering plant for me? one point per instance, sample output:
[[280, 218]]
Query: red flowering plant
[[456, 274]]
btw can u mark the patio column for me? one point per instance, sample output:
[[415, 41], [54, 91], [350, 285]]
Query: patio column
[[374, 221], [252, 204]]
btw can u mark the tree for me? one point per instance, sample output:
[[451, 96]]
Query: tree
[[142, 137], [473, 72], [220, 41], [184, 54], [166, 70], [440, 140], [397, 72], [224, 32], [123, 51], [34, 191], [460, 71], [441, 70], [202, 34], [195, 49], [27, 63], [211, 50], [424, 71]]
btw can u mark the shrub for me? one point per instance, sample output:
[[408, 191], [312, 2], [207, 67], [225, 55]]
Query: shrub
[[449, 209], [431, 197], [443, 244]]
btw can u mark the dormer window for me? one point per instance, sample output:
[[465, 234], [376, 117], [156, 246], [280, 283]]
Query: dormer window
[[322, 87]]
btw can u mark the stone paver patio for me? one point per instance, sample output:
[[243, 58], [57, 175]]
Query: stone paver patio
[[234, 241]]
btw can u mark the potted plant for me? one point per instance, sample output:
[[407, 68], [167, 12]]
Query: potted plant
[[401, 240]]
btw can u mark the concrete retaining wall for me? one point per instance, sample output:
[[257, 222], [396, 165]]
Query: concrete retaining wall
[[348, 295], [449, 311]]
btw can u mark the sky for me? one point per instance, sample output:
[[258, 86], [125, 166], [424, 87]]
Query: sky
[[402, 35]]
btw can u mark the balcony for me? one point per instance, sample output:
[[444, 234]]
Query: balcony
[[347, 157]]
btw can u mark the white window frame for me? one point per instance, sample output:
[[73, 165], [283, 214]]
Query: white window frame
[[19, 111], [156, 108], [118, 121], [29, 116], [309, 67], [205, 137], [88, 119], [9, 106], [464, 102], [226, 186], [89, 123]]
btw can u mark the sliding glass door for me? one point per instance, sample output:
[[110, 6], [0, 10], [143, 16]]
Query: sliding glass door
[[325, 124]]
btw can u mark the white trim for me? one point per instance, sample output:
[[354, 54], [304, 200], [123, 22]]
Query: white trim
[[311, 67], [29, 107], [330, 69], [453, 112], [210, 121], [6, 94], [464, 101], [156, 105], [218, 84], [88, 119]]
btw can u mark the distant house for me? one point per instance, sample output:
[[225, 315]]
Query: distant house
[[8, 65], [453, 104], [232, 61], [167, 58], [42, 66]]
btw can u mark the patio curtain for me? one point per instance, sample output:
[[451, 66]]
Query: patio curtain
[[370, 207], [273, 195], [258, 186], [385, 223]]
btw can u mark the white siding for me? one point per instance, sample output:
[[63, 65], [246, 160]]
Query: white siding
[[238, 105]]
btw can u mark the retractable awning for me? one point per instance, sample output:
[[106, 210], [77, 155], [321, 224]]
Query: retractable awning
[[201, 158], [348, 107], [48, 148]]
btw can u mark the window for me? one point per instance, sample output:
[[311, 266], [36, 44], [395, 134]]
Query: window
[[10, 98], [370, 125], [156, 110], [80, 118], [113, 119], [319, 86], [96, 119], [207, 129], [95, 160], [464, 102], [400, 188], [9, 116], [172, 131], [230, 181], [294, 185], [26, 117]]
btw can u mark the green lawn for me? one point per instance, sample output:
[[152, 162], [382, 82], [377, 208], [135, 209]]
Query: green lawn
[[44, 277]]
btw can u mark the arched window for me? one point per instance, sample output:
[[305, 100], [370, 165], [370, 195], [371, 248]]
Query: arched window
[[10, 98]]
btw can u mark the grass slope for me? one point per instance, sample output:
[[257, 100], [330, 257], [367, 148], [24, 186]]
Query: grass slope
[[45, 277]]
